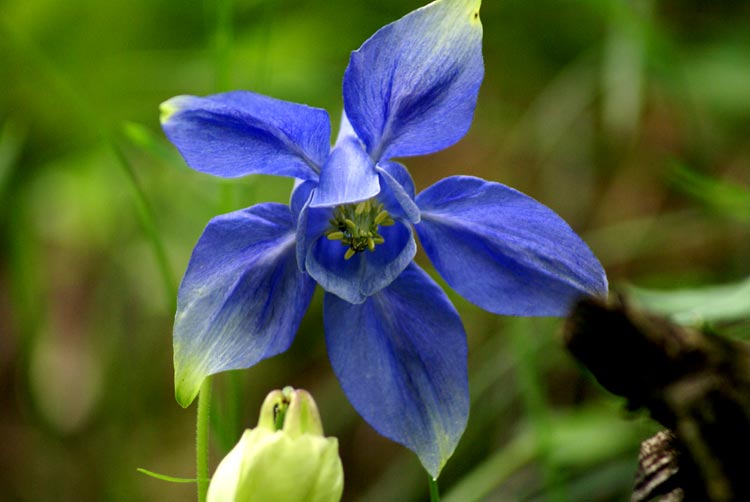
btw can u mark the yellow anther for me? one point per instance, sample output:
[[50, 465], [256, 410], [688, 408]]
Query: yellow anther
[[381, 217], [356, 226], [364, 207]]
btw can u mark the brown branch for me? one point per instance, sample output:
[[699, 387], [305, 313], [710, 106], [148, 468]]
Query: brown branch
[[696, 384]]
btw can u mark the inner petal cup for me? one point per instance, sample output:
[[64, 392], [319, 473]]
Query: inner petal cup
[[348, 176], [365, 272]]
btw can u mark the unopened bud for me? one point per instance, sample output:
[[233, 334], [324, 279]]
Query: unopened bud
[[285, 458]]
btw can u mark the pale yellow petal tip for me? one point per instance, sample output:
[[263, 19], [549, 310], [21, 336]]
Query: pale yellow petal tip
[[474, 12], [187, 386], [459, 8], [475, 19], [183, 398], [167, 109]]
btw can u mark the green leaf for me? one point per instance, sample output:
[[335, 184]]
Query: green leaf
[[718, 303], [164, 477]]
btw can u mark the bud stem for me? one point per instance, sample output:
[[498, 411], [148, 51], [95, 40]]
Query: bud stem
[[434, 492], [203, 421]]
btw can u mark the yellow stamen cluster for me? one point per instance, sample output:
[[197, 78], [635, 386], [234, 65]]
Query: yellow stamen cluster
[[356, 226]]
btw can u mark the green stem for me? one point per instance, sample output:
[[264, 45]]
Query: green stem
[[434, 492], [203, 424]]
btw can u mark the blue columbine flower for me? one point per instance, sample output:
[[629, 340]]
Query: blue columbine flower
[[395, 341]]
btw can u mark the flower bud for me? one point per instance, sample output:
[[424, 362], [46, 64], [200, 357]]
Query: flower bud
[[285, 458]]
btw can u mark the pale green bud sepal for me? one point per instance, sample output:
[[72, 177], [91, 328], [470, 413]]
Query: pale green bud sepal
[[294, 463]]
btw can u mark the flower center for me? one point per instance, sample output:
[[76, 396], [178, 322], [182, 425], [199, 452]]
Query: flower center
[[356, 226]]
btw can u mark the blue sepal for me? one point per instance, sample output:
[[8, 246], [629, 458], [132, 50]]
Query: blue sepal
[[239, 133], [504, 251], [401, 359], [411, 89], [242, 297]]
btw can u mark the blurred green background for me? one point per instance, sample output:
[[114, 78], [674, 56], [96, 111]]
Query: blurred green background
[[631, 119]]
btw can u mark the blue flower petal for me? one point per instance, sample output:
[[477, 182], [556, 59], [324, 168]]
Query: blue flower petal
[[346, 130], [242, 297], [401, 360], [398, 191], [239, 133], [411, 89], [504, 251], [363, 274], [348, 176]]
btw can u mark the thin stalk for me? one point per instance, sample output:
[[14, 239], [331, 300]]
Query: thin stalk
[[536, 407], [234, 396], [68, 93], [226, 419], [203, 423], [434, 492], [223, 36], [147, 219]]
